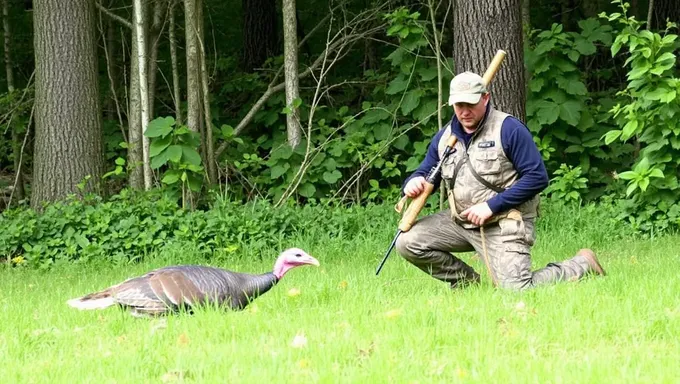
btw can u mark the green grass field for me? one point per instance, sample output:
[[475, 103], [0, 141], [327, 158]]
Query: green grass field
[[339, 323]]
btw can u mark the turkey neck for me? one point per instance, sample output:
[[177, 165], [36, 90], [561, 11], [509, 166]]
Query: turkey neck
[[257, 285]]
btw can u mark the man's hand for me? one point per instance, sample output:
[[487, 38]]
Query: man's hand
[[415, 187], [478, 214]]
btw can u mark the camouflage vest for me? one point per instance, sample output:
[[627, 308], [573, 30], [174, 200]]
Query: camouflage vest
[[486, 155]]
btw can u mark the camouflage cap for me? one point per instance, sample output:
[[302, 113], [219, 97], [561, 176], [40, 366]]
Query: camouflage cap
[[466, 87]]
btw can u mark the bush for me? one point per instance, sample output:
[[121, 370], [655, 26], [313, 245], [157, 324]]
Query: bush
[[132, 225]]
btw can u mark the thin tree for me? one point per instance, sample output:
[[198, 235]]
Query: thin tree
[[143, 87], [68, 153], [173, 62], [290, 52], [193, 65], [16, 139], [481, 29], [210, 162]]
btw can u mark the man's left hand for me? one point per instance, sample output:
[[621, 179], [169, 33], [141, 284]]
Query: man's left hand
[[478, 214]]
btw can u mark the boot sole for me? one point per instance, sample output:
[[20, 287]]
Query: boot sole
[[592, 260]]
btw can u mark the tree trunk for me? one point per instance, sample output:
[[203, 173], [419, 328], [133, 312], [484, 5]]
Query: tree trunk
[[140, 29], [154, 37], [135, 158], [665, 9], [290, 49], [482, 28], [193, 65], [210, 163], [68, 136], [16, 138], [260, 33], [173, 61]]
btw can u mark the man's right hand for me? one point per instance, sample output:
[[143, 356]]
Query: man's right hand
[[414, 187]]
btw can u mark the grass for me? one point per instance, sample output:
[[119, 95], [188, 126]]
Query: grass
[[341, 324]]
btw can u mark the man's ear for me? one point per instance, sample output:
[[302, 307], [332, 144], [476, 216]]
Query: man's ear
[[486, 98]]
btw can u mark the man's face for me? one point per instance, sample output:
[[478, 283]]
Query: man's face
[[470, 115]]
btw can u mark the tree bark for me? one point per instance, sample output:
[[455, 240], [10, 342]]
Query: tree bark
[[665, 9], [260, 33], [16, 138], [173, 61], [193, 65], [290, 49], [210, 163], [140, 29], [135, 157], [68, 135], [482, 28], [153, 40]]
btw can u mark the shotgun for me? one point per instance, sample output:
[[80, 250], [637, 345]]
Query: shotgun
[[413, 210]]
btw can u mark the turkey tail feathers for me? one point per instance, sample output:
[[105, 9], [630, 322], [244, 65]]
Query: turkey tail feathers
[[92, 301]]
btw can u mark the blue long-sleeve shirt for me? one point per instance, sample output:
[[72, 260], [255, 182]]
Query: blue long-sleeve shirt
[[520, 149]]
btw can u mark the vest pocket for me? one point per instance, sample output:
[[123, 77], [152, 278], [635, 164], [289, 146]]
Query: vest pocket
[[487, 163]]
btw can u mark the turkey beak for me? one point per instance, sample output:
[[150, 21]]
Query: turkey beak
[[312, 261]]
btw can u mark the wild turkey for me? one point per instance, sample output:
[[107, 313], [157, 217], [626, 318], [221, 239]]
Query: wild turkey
[[169, 289]]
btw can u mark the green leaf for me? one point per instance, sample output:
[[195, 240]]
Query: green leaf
[[610, 136], [195, 182], [332, 176], [174, 153], [628, 175], [411, 101], [398, 84], [548, 112], [158, 145], [570, 112], [278, 170], [160, 160], [536, 84], [585, 47], [656, 172], [573, 55], [638, 71], [120, 161], [382, 131], [375, 115], [629, 129], [307, 190], [631, 188], [82, 241], [412, 164], [657, 93], [171, 177], [330, 164], [160, 126], [227, 130], [666, 58], [574, 148], [191, 156], [573, 87], [427, 74], [424, 110], [644, 183], [401, 142]]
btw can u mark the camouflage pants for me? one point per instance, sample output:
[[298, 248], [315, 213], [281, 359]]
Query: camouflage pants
[[429, 243]]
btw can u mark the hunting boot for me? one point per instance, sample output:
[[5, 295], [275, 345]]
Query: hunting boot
[[587, 259]]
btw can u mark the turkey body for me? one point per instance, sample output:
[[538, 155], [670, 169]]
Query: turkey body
[[171, 289]]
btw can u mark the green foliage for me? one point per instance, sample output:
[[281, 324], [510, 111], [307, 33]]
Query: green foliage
[[565, 117], [648, 115], [568, 186], [175, 147], [357, 151], [131, 225]]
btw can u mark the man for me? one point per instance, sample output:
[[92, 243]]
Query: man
[[493, 177]]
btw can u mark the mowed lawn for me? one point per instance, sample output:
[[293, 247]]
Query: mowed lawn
[[340, 323]]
